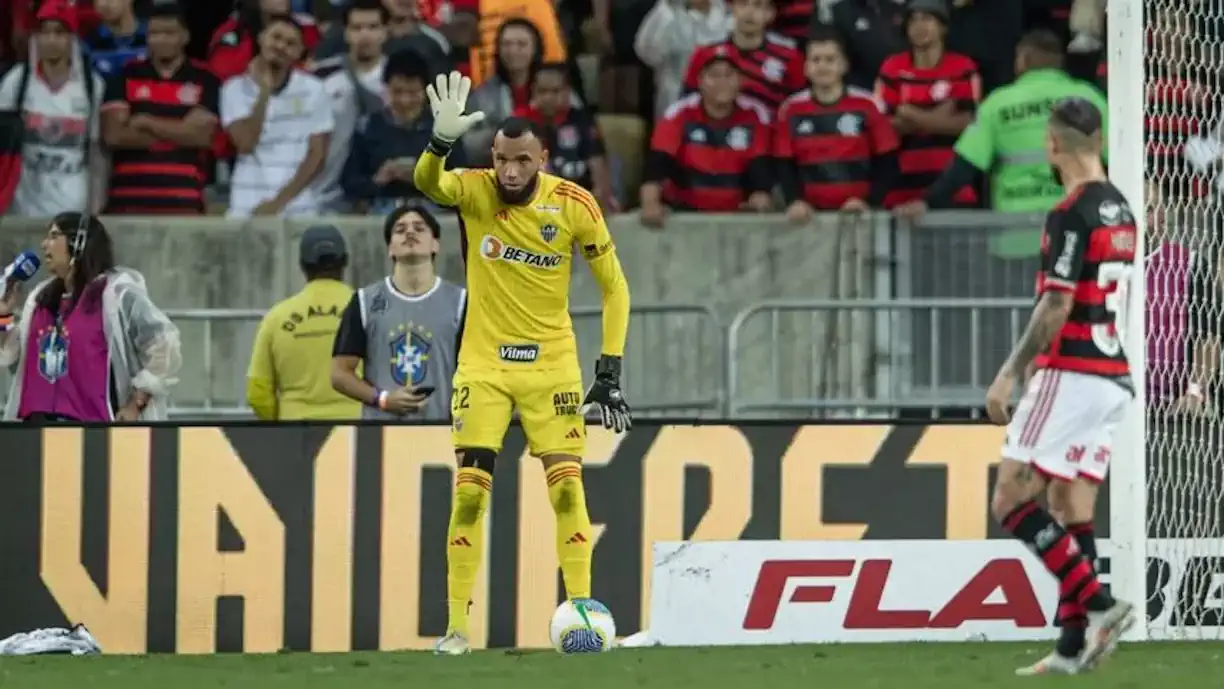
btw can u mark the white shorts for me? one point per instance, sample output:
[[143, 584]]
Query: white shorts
[[1065, 424]]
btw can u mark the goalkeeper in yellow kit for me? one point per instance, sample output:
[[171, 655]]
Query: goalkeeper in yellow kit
[[517, 345]]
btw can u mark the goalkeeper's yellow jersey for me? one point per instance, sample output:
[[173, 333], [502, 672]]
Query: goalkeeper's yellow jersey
[[518, 260]]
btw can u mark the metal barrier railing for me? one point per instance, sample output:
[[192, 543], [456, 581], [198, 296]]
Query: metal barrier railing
[[673, 348], [679, 344], [867, 356], [206, 404], [823, 359], [812, 357]]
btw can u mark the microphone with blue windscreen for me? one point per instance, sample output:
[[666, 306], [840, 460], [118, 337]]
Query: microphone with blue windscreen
[[21, 269]]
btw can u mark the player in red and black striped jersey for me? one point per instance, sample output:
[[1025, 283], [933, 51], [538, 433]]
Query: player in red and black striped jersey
[[1060, 440], [1086, 251], [931, 94], [836, 150], [159, 117], [772, 64], [710, 152]]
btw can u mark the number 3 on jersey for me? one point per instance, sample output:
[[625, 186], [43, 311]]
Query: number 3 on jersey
[[1114, 280]]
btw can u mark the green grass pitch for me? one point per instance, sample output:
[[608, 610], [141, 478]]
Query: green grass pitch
[[891, 666]]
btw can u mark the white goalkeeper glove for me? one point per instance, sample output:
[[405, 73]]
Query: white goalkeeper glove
[[605, 393], [448, 99]]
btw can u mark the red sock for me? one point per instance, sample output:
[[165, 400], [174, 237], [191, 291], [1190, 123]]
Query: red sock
[[1072, 616], [1077, 581]]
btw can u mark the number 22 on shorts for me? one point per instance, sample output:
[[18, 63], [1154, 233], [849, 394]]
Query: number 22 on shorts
[[459, 398]]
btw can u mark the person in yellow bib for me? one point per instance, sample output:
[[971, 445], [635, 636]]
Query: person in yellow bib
[[519, 227], [290, 372]]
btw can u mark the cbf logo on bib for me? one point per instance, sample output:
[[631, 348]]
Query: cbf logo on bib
[[410, 345], [52, 354]]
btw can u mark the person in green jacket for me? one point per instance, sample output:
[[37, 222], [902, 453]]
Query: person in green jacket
[[1007, 141]]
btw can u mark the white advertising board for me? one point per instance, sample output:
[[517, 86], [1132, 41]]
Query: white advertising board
[[785, 592]]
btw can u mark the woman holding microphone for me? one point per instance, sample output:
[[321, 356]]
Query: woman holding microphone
[[88, 344]]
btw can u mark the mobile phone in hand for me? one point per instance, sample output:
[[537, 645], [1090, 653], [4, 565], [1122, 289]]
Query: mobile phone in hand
[[424, 390]]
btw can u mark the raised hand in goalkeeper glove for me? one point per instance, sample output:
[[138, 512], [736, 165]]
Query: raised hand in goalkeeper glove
[[448, 99], [606, 394]]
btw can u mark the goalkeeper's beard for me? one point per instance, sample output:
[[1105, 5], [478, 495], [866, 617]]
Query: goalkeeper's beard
[[511, 197]]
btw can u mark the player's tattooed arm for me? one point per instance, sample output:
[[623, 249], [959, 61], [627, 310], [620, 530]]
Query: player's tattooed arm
[[1048, 318]]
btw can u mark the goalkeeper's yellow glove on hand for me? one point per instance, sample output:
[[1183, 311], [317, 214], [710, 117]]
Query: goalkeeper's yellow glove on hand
[[447, 99]]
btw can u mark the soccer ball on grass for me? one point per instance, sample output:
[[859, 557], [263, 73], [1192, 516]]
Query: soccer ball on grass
[[582, 625]]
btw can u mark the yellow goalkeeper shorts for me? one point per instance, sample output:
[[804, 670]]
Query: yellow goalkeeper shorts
[[549, 403]]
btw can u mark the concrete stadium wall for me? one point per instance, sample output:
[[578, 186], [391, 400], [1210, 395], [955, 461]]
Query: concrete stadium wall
[[719, 262]]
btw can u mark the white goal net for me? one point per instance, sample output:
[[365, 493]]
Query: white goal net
[[1166, 146]]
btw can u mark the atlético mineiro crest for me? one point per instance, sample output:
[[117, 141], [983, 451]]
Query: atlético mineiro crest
[[548, 233], [52, 353], [410, 347]]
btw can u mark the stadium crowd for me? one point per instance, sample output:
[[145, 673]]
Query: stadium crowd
[[688, 105], [298, 108]]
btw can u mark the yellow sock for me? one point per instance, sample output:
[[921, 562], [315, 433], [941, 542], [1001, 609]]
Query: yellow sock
[[574, 534], [465, 542]]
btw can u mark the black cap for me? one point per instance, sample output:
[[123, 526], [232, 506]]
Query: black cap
[[320, 242]]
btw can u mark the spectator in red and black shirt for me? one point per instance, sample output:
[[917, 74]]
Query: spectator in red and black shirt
[[931, 94], [836, 150], [711, 151], [772, 64], [159, 118], [792, 19], [574, 143]]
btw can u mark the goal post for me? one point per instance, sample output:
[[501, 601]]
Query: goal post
[[1166, 140], [1128, 484]]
